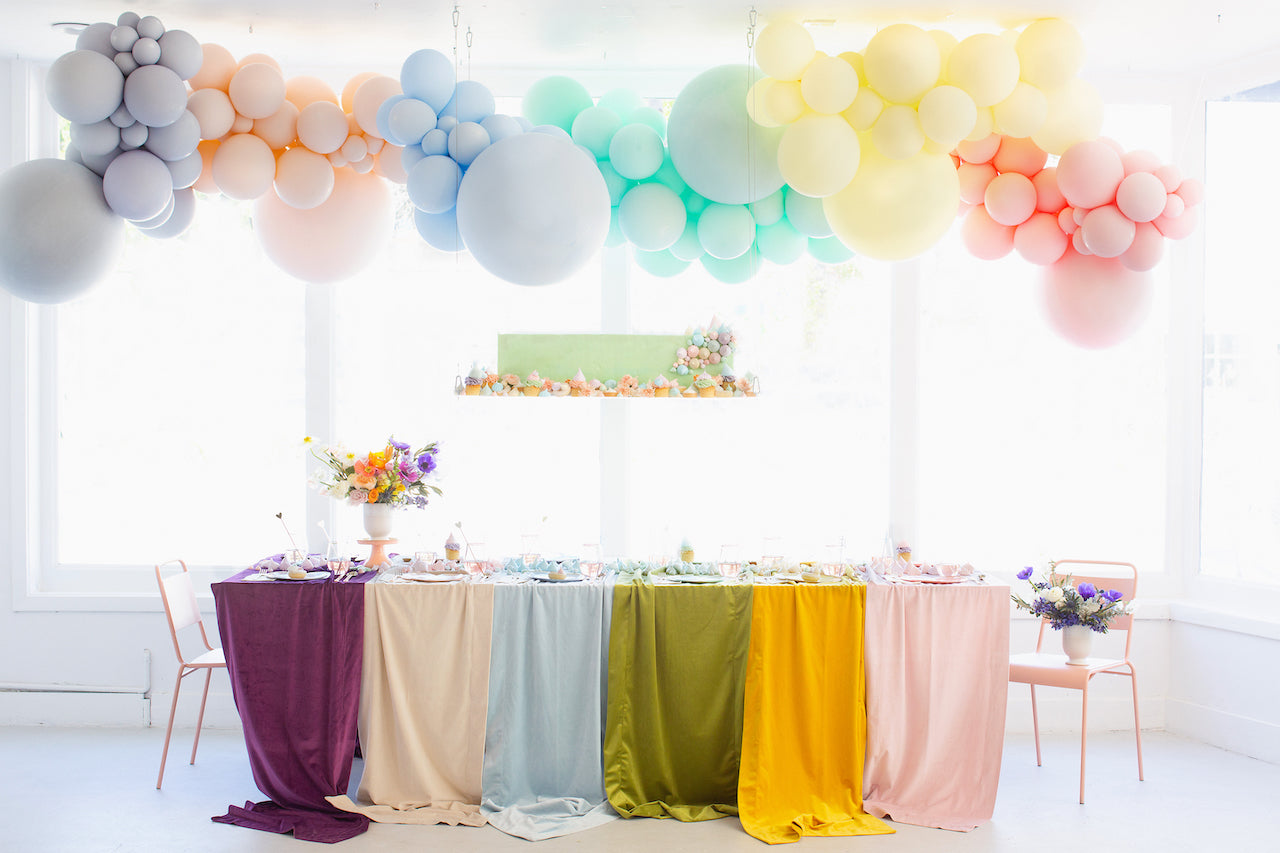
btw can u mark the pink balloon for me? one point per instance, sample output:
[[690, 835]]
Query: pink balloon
[[1147, 248], [1107, 231], [1089, 173], [1010, 198], [985, 238], [1171, 175], [1094, 302], [980, 151], [243, 166], [1139, 161], [1191, 191], [974, 178], [333, 241], [1040, 240], [1078, 214], [212, 109], [1182, 226], [1173, 206], [1112, 144], [1067, 221], [256, 90], [280, 128], [322, 127], [1141, 197], [304, 179], [1049, 198], [1019, 155], [1077, 243]]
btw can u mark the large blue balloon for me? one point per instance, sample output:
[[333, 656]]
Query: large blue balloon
[[717, 148], [433, 184], [428, 76], [440, 230]]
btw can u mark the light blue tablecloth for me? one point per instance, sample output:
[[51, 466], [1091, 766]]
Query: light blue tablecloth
[[543, 771]]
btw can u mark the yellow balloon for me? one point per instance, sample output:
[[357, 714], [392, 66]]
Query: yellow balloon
[[902, 63], [1075, 115], [864, 110], [783, 50], [895, 209], [985, 66], [756, 102], [818, 155], [1051, 52], [783, 102], [947, 115], [1023, 112], [897, 133], [946, 43], [983, 126], [829, 84], [855, 62]]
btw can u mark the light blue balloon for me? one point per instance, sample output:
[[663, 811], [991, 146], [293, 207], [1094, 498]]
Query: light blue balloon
[[688, 247], [735, 270], [410, 156], [466, 141], [669, 177], [440, 230], [662, 264], [769, 209], [552, 130], [433, 184], [446, 122], [829, 250], [806, 215], [649, 117], [410, 120], [471, 101], [436, 141], [694, 203], [636, 151], [726, 230], [616, 184], [651, 216], [622, 102], [593, 128], [428, 75], [501, 126], [780, 243], [382, 120], [682, 369]]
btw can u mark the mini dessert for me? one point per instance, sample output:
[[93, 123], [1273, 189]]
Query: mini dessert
[[560, 389], [492, 379], [689, 391], [558, 573], [904, 552], [661, 387], [451, 549], [611, 388], [724, 391], [297, 572], [686, 551], [705, 384], [486, 391], [532, 386], [474, 381], [578, 385]]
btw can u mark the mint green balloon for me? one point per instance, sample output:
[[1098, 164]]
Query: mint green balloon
[[594, 128], [726, 230], [623, 102], [616, 184], [651, 216], [781, 244], [806, 214], [662, 264], [556, 101], [651, 117], [688, 247], [735, 270], [768, 210], [669, 177], [694, 204], [829, 250], [636, 150]]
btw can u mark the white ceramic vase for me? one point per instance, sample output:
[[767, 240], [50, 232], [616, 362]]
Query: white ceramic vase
[[378, 520], [1077, 642]]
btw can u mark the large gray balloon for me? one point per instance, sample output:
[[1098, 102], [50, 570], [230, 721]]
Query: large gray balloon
[[97, 37], [58, 237], [155, 95], [84, 86], [137, 185], [180, 51]]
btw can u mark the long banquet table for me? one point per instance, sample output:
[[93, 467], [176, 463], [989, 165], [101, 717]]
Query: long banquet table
[[547, 708]]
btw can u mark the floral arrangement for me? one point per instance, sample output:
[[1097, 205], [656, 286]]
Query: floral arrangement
[[397, 474], [1059, 600]]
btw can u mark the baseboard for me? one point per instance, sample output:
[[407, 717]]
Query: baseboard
[[1059, 711], [1254, 738], [56, 708]]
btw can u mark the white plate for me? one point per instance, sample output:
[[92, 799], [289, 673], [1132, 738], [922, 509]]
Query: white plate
[[433, 577], [544, 578], [932, 578], [284, 576], [694, 578]]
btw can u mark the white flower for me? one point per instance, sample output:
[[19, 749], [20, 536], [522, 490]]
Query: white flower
[[1090, 606], [1053, 595]]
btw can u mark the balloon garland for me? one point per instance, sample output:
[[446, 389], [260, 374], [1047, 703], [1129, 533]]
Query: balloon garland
[[874, 151]]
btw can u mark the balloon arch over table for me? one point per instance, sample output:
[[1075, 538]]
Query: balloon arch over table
[[875, 152]]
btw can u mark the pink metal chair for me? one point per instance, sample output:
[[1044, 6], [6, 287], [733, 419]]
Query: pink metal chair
[[180, 608], [1050, 668]]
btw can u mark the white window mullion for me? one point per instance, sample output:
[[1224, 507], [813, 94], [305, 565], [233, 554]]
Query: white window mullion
[[319, 401], [904, 390], [615, 420]]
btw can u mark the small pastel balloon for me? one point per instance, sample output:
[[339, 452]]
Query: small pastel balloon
[[213, 111], [408, 120], [974, 178], [159, 219], [354, 149], [1142, 197], [466, 141], [806, 214], [757, 100], [688, 247], [732, 271], [669, 177], [322, 127], [216, 67], [593, 128], [901, 63], [829, 250], [146, 51], [947, 115], [783, 50], [137, 185], [180, 53], [818, 154], [436, 141], [471, 101], [650, 117], [726, 230], [783, 102], [662, 264], [259, 59], [1147, 248], [985, 66], [1089, 173], [898, 134], [180, 217], [768, 210], [242, 124], [347, 98], [1180, 227], [556, 101], [614, 182], [84, 86], [1067, 221], [446, 122], [651, 217], [256, 90], [389, 164], [1019, 155], [622, 102], [1039, 240], [1010, 198], [428, 75], [133, 136], [1050, 53], [500, 126], [1023, 112], [126, 63], [636, 151], [865, 109], [95, 140], [279, 129], [1140, 160], [829, 84], [1049, 198], [433, 184], [1075, 115], [369, 97], [946, 44], [1191, 191], [979, 150], [97, 37], [1173, 206], [983, 126], [123, 38], [244, 167], [1094, 302], [1169, 175], [1107, 231], [186, 172], [779, 243], [175, 141], [985, 238]]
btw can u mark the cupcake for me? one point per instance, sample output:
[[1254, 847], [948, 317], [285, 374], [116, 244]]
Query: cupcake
[[611, 388], [706, 385], [474, 381], [661, 387], [689, 391], [904, 552], [578, 385], [559, 389], [724, 391], [451, 549], [532, 386], [686, 551]]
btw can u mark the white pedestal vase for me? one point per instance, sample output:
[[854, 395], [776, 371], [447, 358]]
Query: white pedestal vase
[[1077, 642], [378, 520]]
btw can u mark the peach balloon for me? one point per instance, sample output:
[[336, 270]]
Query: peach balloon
[[303, 90], [368, 98], [1089, 173], [1049, 198], [213, 111], [216, 69], [333, 241], [205, 182], [1010, 198], [389, 164], [1094, 302], [256, 90], [1067, 221], [1078, 244], [1147, 248], [984, 237], [974, 178], [259, 58], [1039, 240], [279, 129], [1107, 231], [243, 166], [979, 150], [349, 90], [304, 179], [1139, 160], [1020, 155], [1180, 227], [322, 127]]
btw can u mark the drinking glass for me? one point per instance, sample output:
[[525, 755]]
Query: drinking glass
[[333, 557]]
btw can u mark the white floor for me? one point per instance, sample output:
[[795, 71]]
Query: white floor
[[90, 790]]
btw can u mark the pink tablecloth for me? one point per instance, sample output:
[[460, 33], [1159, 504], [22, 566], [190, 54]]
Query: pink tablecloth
[[937, 679]]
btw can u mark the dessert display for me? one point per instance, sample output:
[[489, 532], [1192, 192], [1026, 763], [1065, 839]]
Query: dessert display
[[686, 552], [452, 551]]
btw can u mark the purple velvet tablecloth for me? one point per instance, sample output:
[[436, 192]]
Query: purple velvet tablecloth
[[294, 652]]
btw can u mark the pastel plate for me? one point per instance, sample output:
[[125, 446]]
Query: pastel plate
[[284, 576]]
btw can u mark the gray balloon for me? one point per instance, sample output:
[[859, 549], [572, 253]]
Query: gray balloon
[[177, 140], [97, 37], [185, 172], [155, 95], [126, 63], [180, 52], [84, 86], [58, 238], [137, 185], [95, 139], [180, 219], [98, 163], [159, 219], [133, 136], [122, 117]]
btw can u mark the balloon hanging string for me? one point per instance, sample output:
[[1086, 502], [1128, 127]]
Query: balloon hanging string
[[751, 90], [457, 237]]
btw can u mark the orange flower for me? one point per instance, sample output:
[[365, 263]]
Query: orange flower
[[373, 495], [379, 459]]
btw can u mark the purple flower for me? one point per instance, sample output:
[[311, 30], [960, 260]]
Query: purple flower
[[1025, 573], [1086, 590], [398, 445], [409, 471], [1113, 595], [427, 462]]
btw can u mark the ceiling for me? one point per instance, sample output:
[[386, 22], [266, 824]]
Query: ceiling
[[652, 46]]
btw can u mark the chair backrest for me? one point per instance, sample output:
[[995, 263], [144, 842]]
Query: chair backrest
[[1122, 577], [180, 606]]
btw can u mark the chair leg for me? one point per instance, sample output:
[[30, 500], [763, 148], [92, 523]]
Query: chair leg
[[1137, 727], [1084, 734], [1035, 723], [168, 732], [208, 675]]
